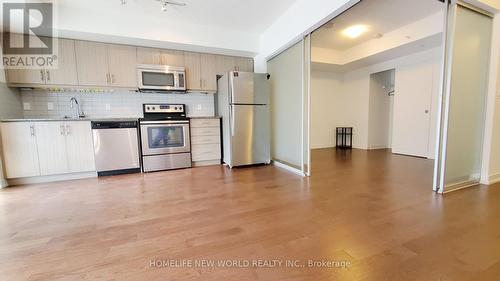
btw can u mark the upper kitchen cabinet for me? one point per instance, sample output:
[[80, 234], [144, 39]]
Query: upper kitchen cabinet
[[208, 72], [192, 62], [108, 65], [92, 63], [224, 64], [148, 56], [65, 73], [244, 64], [122, 66], [172, 57]]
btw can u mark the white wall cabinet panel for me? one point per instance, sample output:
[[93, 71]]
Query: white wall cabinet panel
[[122, 63], [51, 143], [79, 147], [148, 56], [208, 72], [20, 150], [172, 57], [193, 70], [92, 63], [65, 73]]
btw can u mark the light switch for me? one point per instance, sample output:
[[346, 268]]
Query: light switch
[[50, 106], [108, 106], [26, 106]]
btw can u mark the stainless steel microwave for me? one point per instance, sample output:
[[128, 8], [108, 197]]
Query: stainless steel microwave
[[161, 77]]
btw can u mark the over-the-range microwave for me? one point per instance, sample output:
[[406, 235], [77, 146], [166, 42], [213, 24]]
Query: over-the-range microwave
[[161, 78]]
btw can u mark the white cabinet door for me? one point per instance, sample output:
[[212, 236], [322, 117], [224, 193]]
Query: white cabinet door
[[92, 63], [172, 57], [244, 64], [224, 64], [65, 73], [51, 143], [148, 56], [122, 62], [19, 150], [193, 70], [79, 147], [208, 72]]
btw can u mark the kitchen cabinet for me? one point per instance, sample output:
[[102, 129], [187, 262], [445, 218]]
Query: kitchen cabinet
[[122, 66], [65, 73], [51, 144], [208, 72], [224, 64], [19, 150], [109, 65], [79, 147], [148, 56], [205, 141], [47, 148], [92, 63], [244, 64], [172, 57], [192, 62]]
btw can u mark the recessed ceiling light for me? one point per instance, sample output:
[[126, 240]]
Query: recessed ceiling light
[[355, 31]]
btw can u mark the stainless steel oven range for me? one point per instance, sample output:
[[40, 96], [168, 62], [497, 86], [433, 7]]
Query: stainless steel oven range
[[165, 138]]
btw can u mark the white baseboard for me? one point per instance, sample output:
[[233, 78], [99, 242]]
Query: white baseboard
[[3, 183], [54, 178], [288, 168], [492, 179]]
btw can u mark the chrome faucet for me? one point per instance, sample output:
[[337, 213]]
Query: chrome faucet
[[79, 113]]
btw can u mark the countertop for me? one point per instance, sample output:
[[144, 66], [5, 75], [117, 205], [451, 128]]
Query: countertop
[[89, 119]]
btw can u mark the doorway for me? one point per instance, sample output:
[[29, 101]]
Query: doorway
[[381, 76]]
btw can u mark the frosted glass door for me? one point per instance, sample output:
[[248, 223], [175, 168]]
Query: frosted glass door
[[287, 90], [463, 127]]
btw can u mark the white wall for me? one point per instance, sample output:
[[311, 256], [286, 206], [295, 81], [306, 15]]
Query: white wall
[[326, 107], [353, 98]]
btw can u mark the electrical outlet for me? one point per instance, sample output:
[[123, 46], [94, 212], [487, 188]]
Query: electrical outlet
[[50, 106], [27, 106], [108, 106], [199, 107]]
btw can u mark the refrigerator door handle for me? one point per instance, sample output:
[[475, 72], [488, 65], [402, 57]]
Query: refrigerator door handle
[[231, 118]]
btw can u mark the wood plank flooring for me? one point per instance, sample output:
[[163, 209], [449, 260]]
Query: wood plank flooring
[[374, 210]]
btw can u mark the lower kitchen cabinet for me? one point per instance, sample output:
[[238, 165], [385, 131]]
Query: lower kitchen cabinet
[[205, 141], [19, 150], [34, 149]]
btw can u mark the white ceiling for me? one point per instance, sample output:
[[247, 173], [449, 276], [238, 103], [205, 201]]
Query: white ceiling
[[382, 16], [252, 16]]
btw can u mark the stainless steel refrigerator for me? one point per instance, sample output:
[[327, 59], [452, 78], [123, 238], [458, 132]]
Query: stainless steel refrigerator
[[243, 104]]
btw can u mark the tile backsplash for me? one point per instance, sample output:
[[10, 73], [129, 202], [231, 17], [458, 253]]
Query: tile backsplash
[[111, 104]]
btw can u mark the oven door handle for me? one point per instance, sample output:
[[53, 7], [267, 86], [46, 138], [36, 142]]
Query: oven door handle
[[164, 122]]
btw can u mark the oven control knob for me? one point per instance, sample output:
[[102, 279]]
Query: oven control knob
[[147, 108]]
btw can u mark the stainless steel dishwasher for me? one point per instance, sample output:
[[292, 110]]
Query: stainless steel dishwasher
[[116, 147]]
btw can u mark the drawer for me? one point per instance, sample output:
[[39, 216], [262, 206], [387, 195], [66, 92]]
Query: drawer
[[207, 131], [205, 140], [197, 123], [205, 152]]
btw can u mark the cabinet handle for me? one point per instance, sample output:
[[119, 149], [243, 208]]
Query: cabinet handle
[[68, 130], [112, 78], [48, 75], [107, 78], [32, 131], [62, 130], [42, 75]]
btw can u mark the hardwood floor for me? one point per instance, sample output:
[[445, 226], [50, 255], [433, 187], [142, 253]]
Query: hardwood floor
[[373, 210]]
